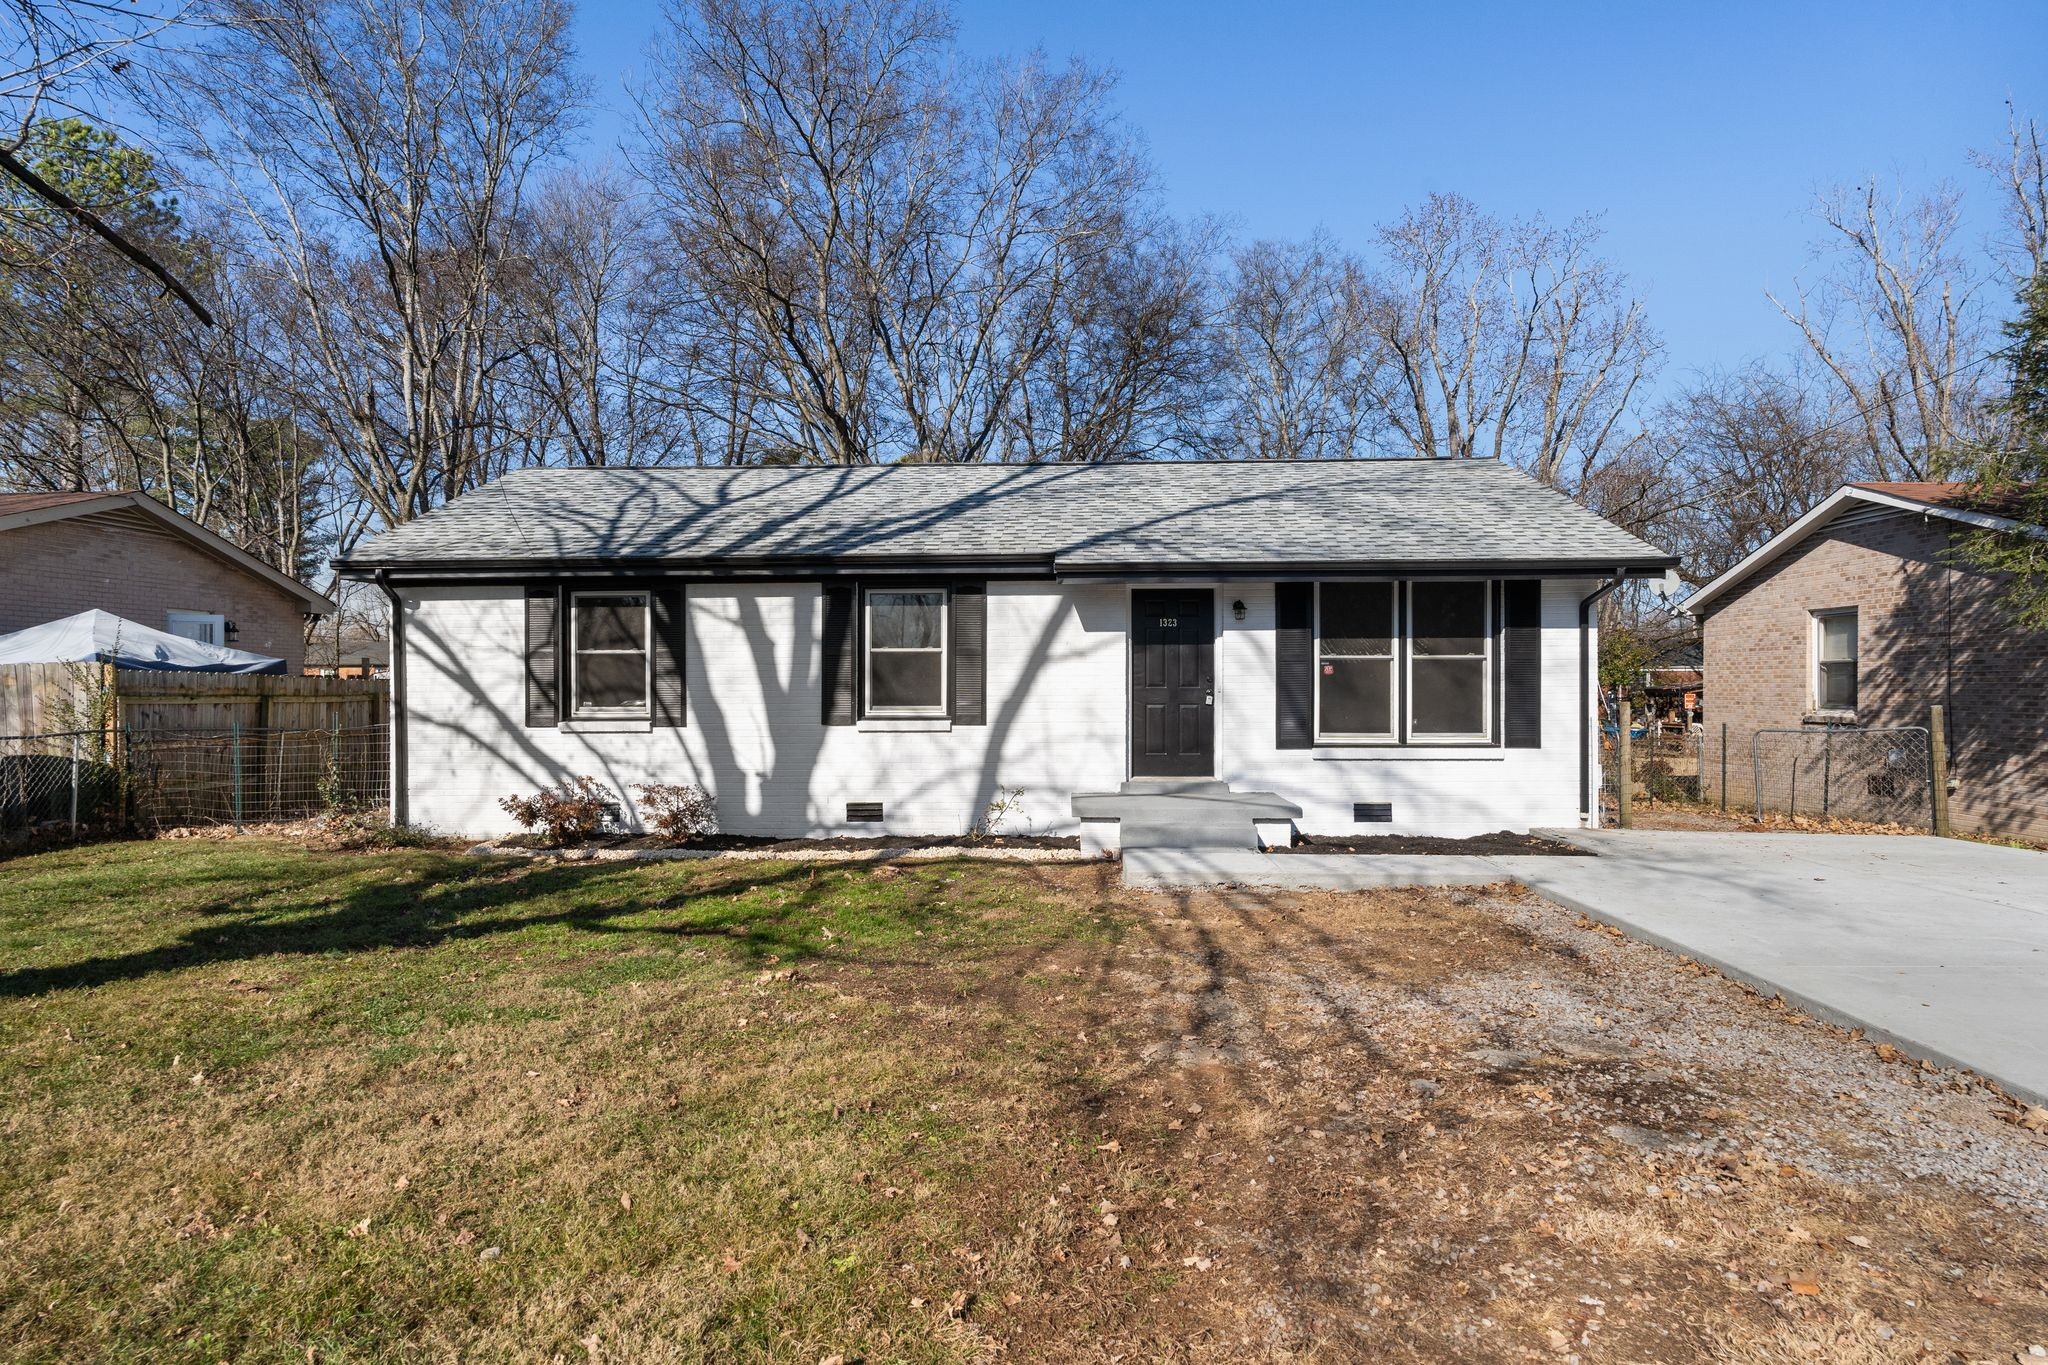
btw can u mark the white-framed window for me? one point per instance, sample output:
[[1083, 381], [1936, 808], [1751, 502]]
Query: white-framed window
[[1356, 639], [905, 656], [609, 660], [1833, 647], [207, 627], [1450, 660]]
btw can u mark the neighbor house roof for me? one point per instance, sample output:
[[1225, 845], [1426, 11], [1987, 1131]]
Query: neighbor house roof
[[18, 510], [1070, 519], [1949, 501]]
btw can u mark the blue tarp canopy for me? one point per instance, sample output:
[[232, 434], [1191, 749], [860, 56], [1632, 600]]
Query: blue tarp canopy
[[102, 637]]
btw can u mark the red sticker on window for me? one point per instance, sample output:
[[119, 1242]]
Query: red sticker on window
[[1329, 668]]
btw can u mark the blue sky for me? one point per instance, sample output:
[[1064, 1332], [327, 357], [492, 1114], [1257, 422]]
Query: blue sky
[[1699, 131]]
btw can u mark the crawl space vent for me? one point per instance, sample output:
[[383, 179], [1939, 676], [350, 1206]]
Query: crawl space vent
[[863, 812], [1372, 813]]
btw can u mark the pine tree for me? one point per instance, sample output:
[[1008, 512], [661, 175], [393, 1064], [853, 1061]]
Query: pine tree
[[2011, 478]]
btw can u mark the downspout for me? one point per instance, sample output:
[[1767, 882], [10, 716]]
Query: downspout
[[1586, 705], [399, 812]]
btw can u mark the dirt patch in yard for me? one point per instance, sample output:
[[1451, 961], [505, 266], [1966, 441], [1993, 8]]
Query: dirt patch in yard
[[1500, 844], [1437, 1125]]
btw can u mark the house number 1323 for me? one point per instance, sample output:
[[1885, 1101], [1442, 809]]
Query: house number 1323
[[1169, 620]]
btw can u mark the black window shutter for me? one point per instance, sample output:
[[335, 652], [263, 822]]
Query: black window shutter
[[969, 687], [671, 708], [1523, 671], [543, 656], [1294, 657], [839, 655]]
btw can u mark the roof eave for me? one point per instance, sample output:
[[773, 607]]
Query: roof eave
[[317, 604], [1701, 603], [514, 569]]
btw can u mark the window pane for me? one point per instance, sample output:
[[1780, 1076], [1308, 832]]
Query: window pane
[[1450, 696], [611, 622], [1838, 686], [904, 680], [1450, 618], [906, 620], [1357, 696], [606, 681], [1838, 636], [1358, 618]]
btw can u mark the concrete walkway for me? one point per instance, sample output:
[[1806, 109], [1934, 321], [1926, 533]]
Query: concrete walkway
[[1937, 945]]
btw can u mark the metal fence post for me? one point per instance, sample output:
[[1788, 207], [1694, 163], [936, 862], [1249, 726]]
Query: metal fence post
[[1756, 769], [1827, 771], [74, 786], [1724, 767], [237, 741], [1937, 752], [1625, 780]]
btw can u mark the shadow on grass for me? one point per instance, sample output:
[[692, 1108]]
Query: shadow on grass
[[448, 901]]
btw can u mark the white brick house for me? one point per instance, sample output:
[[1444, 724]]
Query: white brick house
[[1400, 642]]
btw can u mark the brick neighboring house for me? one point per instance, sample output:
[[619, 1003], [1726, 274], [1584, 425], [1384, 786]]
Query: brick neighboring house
[[126, 553], [1861, 613]]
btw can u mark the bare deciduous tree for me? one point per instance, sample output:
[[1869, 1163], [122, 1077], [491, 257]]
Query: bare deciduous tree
[[1302, 361], [1896, 320], [376, 154], [1507, 339], [2021, 175], [1749, 452], [589, 319], [885, 238], [1125, 369]]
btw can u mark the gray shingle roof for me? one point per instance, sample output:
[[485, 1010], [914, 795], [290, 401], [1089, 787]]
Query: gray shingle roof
[[1170, 515]]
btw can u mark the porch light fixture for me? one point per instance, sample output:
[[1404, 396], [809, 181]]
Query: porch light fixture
[[1237, 610]]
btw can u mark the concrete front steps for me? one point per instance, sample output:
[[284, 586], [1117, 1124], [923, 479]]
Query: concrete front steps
[[1198, 832], [1184, 814]]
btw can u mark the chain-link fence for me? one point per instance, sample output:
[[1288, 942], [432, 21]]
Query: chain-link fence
[[66, 778], [175, 777], [1885, 776], [1666, 762], [1882, 776]]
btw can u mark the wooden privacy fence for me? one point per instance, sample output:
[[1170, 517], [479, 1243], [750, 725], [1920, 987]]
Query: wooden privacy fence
[[38, 699]]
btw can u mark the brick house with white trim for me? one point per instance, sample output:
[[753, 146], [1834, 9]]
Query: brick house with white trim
[[1862, 613]]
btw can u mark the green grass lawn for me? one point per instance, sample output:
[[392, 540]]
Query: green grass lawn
[[272, 1103]]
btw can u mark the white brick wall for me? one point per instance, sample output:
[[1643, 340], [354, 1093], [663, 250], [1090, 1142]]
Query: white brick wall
[[1448, 791], [1057, 699]]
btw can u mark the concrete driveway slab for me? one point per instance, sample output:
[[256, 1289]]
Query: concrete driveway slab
[[1937, 945]]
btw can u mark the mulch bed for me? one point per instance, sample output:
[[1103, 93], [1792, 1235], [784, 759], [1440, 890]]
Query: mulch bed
[[768, 843], [1501, 843]]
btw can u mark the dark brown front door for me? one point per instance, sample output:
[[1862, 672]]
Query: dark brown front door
[[1173, 683]]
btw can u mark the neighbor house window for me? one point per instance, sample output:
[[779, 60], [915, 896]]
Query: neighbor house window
[[1355, 638], [608, 658], [906, 652], [207, 627], [1834, 660], [1450, 643]]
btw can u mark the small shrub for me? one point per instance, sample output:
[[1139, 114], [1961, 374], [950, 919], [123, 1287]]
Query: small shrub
[[995, 817], [570, 812], [678, 810]]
